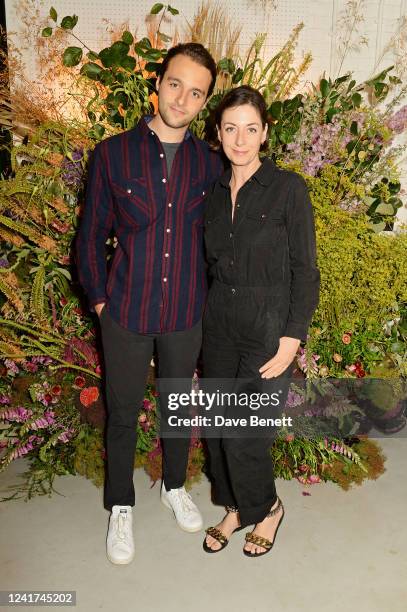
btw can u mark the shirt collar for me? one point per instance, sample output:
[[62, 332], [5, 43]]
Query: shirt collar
[[145, 130], [263, 175]]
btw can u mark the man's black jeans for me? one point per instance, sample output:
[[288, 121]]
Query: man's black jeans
[[127, 356]]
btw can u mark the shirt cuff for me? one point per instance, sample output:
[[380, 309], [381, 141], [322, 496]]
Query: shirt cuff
[[296, 330]]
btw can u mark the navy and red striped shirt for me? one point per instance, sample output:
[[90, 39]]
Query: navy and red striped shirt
[[156, 279]]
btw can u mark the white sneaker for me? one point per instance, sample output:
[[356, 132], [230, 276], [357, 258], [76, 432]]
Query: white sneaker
[[186, 513], [119, 542]]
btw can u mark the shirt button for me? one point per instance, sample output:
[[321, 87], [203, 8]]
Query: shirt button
[[237, 205], [169, 205], [166, 255], [168, 230], [203, 193], [152, 133], [231, 235], [263, 216], [164, 180], [231, 262], [128, 190], [233, 290], [165, 279], [161, 155]]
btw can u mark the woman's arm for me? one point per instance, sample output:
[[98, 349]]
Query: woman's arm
[[305, 277]]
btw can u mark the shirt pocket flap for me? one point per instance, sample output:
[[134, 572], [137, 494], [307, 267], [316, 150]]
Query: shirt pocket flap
[[130, 186], [265, 215], [211, 221]]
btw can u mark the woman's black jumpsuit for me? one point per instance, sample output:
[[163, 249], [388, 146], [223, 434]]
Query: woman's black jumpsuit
[[264, 285]]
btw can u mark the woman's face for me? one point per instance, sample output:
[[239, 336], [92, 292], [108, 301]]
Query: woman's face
[[241, 133]]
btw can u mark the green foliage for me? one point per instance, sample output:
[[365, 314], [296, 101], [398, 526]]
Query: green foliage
[[72, 56]]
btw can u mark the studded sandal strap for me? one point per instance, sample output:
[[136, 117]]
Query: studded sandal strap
[[277, 508], [216, 534], [258, 540], [232, 508]]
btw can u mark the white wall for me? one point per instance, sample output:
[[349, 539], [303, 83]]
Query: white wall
[[320, 34]]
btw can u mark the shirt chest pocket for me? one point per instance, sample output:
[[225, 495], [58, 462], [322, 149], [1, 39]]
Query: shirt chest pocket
[[131, 198], [196, 197], [264, 227]]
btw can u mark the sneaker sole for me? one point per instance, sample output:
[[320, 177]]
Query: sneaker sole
[[120, 561], [187, 529]]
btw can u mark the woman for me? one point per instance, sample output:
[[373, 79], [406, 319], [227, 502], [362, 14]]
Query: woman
[[261, 253]]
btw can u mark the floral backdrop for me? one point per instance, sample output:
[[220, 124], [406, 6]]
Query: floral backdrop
[[340, 135]]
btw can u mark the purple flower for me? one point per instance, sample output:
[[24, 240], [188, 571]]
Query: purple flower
[[72, 170], [66, 435], [4, 262], [398, 121], [4, 399], [19, 414], [294, 399], [23, 449], [42, 359]]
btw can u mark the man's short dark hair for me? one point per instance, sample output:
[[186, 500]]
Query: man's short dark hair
[[197, 53]]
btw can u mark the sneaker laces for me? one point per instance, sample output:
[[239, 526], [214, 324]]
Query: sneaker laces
[[185, 500], [122, 525]]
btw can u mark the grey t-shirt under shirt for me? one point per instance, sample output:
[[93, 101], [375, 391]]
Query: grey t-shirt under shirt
[[170, 149]]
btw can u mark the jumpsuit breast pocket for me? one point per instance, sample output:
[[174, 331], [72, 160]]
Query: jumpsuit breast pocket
[[214, 238], [267, 243]]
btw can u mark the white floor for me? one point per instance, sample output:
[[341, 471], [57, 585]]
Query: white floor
[[335, 550]]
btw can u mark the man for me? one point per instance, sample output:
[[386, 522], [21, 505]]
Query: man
[[148, 184]]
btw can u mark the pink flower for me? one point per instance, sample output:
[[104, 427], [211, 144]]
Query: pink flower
[[147, 405], [18, 414], [11, 366], [289, 437], [79, 381], [65, 436], [346, 339]]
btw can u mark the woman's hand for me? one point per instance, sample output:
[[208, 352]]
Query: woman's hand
[[287, 350]]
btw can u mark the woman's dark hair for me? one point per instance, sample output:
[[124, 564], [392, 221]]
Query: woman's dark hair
[[237, 97], [197, 53]]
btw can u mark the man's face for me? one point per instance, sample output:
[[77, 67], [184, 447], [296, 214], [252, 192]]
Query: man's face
[[182, 91]]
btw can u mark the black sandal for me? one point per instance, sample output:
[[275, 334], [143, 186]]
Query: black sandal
[[259, 540], [218, 535]]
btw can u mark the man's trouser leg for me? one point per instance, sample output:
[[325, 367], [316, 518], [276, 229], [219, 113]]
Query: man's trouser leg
[[177, 357], [127, 356]]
